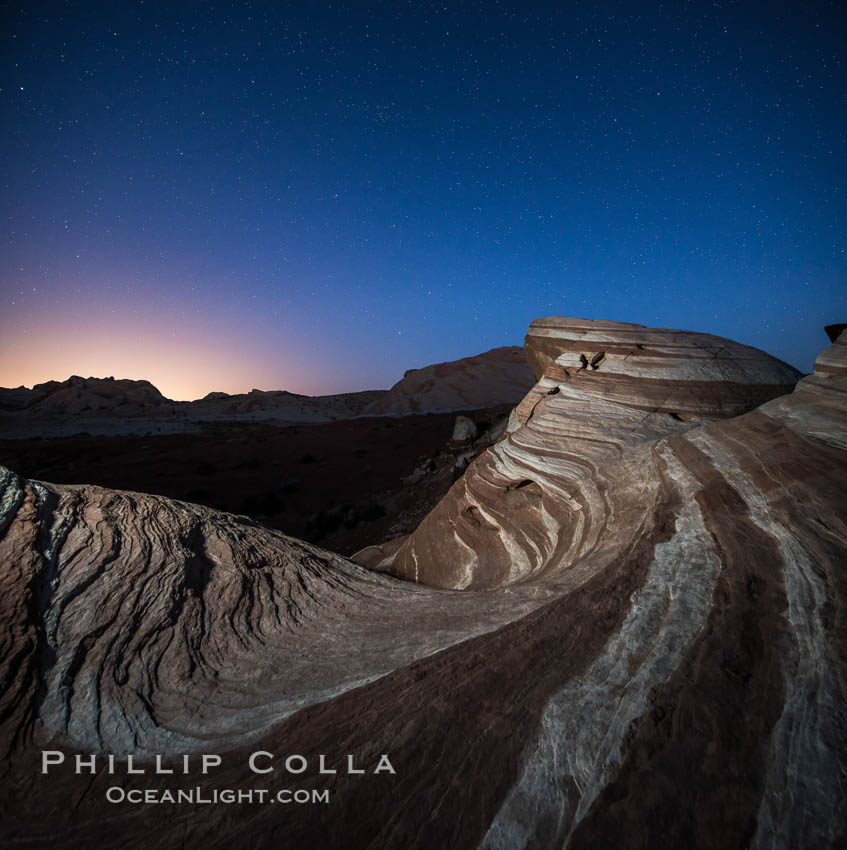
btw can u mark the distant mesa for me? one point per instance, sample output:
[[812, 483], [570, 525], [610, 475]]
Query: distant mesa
[[278, 405], [106, 406], [499, 376], [17, 398]]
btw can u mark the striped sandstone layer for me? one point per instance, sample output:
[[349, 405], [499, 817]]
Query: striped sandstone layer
[[691, 375], [663, 667], [579, 472]]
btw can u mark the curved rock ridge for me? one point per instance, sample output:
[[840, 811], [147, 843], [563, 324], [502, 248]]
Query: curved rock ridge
[[498, 376], [608, 392], [658, 661], [137, 609], [757, 557], [816, 407]]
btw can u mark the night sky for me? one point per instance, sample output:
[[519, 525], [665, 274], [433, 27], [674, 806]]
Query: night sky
[[318, 196]]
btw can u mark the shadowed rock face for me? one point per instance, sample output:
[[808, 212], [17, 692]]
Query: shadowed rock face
[[499, 376], [659, 660]]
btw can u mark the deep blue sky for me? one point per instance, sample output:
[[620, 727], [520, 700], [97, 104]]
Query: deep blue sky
[[318, 196]]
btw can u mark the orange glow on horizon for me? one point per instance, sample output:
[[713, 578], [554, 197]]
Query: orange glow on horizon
[[183, 367]]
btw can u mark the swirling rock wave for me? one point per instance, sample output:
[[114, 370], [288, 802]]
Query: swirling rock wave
[[580, 471], [649, 652]]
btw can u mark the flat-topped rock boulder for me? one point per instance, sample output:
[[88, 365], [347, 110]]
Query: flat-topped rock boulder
[[689, 374]]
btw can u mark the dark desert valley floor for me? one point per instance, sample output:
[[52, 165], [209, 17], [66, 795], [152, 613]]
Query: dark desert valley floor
[[343, 485], [344, 471]]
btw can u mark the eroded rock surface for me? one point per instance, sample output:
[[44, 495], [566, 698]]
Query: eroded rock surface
[[690, 375], [656, 657], [579, 471]]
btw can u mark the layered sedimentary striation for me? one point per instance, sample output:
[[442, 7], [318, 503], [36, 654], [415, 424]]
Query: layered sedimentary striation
[[649, 650], [580, 461], [160, 622], [498, 376], [691, 375]]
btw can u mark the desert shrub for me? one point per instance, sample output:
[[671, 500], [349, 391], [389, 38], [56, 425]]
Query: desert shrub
[[323, 523]]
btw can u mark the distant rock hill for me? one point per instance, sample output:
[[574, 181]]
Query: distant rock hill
[[499, 376], [108, 406], [77, 395], [280, 404]]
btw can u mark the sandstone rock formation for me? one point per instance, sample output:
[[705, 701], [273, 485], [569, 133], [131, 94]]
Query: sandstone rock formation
[[499, 376], [77, 395], [691, 375], [657, 660], [607, 394]]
